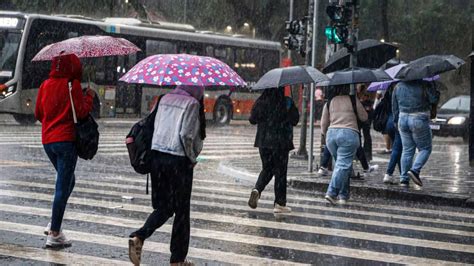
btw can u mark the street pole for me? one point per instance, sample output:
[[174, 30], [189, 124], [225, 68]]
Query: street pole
[[354, 35], [313, 64], [471, 115], [302, 153], [290, 18], [185, 10]]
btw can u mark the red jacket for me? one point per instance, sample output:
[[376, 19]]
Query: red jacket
[[53, 106]]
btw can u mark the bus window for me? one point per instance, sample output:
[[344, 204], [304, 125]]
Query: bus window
[[247, 64], [210, 50], [225, 54], [270, 60], [195, 49], [159, 47], [9, 43]]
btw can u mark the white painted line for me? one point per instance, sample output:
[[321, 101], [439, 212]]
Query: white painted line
[[53, 256], [121, 242], [258, 240], [43, 196]]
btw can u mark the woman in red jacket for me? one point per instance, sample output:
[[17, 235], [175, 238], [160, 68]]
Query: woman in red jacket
[[53, 110]]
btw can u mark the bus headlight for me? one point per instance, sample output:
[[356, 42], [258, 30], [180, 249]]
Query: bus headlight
[[457, 120], [5, 92]]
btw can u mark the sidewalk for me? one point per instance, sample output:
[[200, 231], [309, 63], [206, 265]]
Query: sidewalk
[[443, 183]]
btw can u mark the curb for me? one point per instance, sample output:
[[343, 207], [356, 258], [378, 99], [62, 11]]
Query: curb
[[357, 189], [387, 193]]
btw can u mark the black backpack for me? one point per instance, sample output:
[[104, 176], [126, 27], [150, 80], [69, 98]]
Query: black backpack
[[381, 115], [139, 142], [87, 132]]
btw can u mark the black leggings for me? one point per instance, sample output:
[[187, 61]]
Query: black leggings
[[274, 163]]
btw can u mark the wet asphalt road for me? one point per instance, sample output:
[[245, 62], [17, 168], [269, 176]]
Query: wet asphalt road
[[225, 230]]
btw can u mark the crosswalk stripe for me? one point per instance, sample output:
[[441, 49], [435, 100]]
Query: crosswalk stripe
[[53, 256], [151, 246], [240, 189], [246, 239], [252, 223], [270, 202], [42, 196]]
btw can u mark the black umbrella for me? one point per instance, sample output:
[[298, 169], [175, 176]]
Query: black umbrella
[[358, 75], [280, 77], [371, 54], [391, 63], [429, 66]]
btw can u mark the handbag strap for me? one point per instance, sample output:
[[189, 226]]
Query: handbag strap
[[69, 83]]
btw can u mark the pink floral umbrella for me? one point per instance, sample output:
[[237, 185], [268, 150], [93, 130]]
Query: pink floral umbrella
[[87, 46], [183, 69]]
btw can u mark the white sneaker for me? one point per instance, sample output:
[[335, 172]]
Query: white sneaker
[[342, 201], [57, 241], [330, 199], [323, 171], [388, 179], [47, 229], [372, 168], [281, 209]]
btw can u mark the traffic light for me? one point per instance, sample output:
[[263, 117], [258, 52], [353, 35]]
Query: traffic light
[[338, 30], [295, 40]]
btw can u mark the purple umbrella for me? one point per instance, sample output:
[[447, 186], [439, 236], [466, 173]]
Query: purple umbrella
[[183, 69], [392, 72]]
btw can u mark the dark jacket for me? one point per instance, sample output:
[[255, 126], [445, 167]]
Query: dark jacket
[[275, 116]]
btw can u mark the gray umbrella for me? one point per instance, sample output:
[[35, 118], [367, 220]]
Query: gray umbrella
[[429, 66], [280, 77], [370, 54], [358, 75]]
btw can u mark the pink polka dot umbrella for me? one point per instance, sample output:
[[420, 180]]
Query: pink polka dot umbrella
[[87, 46], [183, 69]]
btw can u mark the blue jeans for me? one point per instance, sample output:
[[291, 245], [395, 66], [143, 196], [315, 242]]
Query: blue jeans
[[397, 147], [415, 132], [342, 143], [63, 155]]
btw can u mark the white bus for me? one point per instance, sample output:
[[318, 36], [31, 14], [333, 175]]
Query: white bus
[[23, 35]]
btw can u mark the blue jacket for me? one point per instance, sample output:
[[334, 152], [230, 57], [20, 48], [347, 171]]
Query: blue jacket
[[413, 97]]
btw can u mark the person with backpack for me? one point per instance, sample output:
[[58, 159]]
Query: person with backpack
[[178, 134], [340, 125], [275, 116], [413, 104], [54, 111]]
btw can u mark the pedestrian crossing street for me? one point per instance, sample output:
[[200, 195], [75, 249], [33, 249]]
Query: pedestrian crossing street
[[109, 202]]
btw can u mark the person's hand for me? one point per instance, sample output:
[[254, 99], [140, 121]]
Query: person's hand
[[90, 92]]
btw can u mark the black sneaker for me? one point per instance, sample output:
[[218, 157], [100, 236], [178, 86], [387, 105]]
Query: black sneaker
[[415, 177], [253, 200]]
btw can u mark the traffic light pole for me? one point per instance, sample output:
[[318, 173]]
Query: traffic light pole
[[471, 116], [312, 88], [302, 153], [353, 39]]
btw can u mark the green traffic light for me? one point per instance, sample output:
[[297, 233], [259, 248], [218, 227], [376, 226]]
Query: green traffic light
[[331, 34]]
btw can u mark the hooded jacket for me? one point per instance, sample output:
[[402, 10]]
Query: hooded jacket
[[53, 106], [275, 116], [177, 123]]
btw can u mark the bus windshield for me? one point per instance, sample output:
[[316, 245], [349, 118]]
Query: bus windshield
[[9, 44]]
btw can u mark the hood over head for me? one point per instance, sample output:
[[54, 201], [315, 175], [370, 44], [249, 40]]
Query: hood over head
[[195, 91], [66, 66]]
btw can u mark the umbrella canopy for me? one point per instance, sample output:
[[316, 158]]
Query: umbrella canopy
[[392, 72], [183, 69], [87, 46], [358, 75], [280, 77], [429, 66], [391, 63], [370, 54], [472, 54]]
